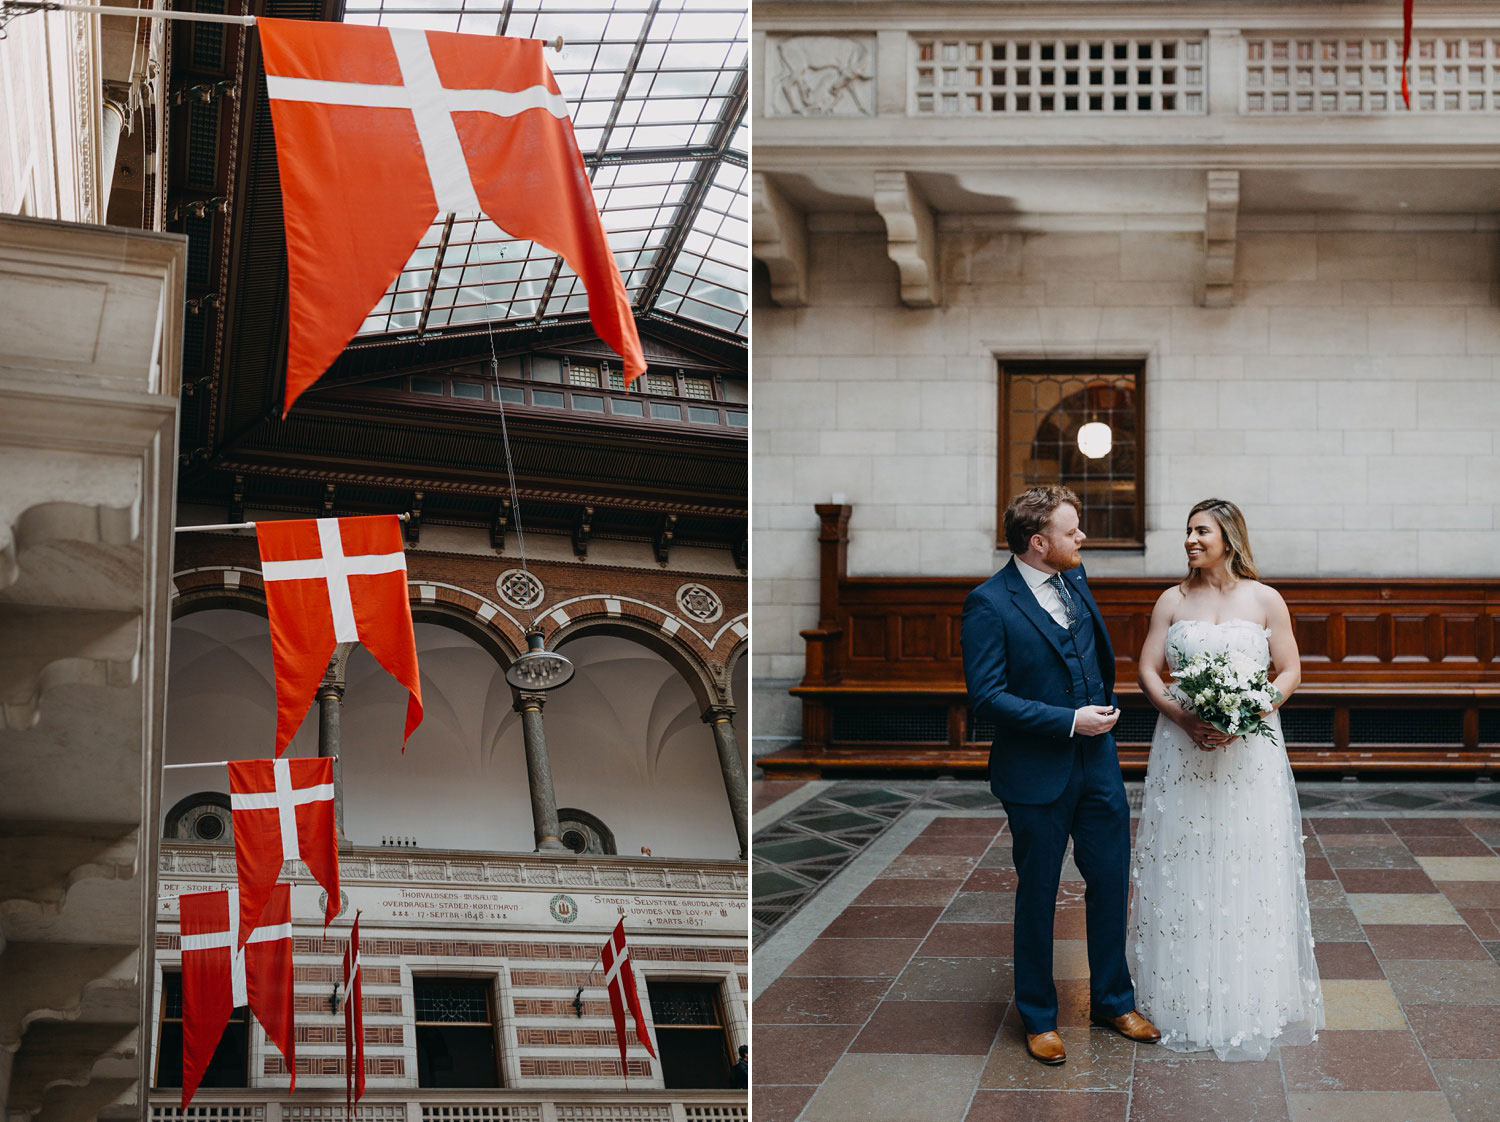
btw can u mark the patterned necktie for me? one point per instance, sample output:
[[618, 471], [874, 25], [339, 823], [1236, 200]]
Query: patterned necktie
[[1070, 609]]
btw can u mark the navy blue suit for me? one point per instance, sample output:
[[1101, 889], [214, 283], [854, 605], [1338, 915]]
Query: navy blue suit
[[1029, 674]]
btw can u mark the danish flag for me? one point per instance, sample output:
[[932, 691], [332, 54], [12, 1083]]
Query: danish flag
[[221, 972], [354, 1023], [381, 129], [619, 979], [331, 581], [283, 811]]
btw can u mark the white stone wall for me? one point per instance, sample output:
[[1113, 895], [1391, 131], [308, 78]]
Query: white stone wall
[[1348, 401]]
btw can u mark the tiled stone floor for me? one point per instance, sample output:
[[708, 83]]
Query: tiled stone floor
[[884, 994]]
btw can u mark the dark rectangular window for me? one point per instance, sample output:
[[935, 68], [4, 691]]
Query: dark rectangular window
[[1080, 424], [230, 1066], [690, 1035], [455, 1022]]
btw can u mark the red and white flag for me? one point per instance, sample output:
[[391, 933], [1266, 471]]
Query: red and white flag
[[283, 811], [331, 581], [381, 129], [219, 975], [354, 1023], [619, 979]]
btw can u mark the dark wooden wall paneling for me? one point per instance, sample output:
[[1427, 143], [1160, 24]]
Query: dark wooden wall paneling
[[1399, 674]]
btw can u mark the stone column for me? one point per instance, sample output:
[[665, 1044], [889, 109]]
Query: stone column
[[330, 704], [539, 774], [718, 717], [112, 122]]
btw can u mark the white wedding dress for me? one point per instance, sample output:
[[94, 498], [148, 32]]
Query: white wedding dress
[[1220, 940]]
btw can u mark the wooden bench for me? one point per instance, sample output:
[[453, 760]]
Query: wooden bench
[[1398, 675]]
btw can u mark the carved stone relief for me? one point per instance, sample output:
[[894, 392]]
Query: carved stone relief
[[821, 76]]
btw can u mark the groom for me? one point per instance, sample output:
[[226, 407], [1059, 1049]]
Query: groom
[[1038, 663]]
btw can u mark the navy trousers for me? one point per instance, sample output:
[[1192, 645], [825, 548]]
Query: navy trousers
[[1092, 811]]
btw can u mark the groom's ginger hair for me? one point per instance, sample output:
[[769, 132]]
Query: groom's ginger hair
[[1236, 536], [1030, 511]]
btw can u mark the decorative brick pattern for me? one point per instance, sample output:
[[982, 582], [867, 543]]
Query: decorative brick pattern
[[334, 1065], [334, 1034], [581, 1069]]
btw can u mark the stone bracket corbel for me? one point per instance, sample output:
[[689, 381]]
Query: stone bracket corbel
[[1220, 231], [778, 240], [911, 238]]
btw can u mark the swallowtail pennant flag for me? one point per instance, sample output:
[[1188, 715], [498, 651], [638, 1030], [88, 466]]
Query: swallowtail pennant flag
[[331, 581], [221, 972], [283, 811], [381, 129]]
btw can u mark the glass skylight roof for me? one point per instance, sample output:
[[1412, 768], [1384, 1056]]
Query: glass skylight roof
[[659, 93]]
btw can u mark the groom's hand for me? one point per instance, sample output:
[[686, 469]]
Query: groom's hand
[[1094, 720]]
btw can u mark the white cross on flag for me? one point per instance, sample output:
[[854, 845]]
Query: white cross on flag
[[354, 1023], [619, 979], [221, 972], [331, 581], [283, 811], [379, 130]]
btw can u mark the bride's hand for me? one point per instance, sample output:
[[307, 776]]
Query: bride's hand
[[1203, 734]]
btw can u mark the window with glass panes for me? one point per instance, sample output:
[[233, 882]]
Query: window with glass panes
[[1080, 424], [691, 1038], [230, 1066], [455, 1030]]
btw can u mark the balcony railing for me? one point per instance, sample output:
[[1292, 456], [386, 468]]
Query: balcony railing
[[441, 1106]]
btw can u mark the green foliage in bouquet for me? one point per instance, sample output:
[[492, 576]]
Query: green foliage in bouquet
[[1226, 690]]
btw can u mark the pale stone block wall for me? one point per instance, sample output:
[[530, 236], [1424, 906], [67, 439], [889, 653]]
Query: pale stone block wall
[[1348, 401]]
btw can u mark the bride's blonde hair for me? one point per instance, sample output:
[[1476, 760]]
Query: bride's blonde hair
[[1236, 537]]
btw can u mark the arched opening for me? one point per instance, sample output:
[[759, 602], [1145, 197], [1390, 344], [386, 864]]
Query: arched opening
[[626, 739]]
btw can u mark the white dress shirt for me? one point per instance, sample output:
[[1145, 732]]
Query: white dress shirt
[[1051, 603], [1045, 594]]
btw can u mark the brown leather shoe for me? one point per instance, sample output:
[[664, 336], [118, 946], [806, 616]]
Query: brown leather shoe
[[1130, 1025], [1046, 1047]]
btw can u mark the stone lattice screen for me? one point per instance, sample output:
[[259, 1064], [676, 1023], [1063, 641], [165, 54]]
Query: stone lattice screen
[[1330, 74]]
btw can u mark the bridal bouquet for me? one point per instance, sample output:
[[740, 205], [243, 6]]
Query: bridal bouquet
[[1226, 690]]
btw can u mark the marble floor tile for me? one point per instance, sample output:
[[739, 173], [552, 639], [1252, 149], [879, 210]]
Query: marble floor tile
[[1325, 893], [1385, 881], [1370, 1106], [1318, 868], [780, 1103], [889, 921], [908, 893], [1472, 1087], [1098, 1060], [1348, 960], [1461, 868], [1070, 958], [986, 826], [1456, 1032], [998, 857], [937, 1028], [1392, 856], [853, 958], [946, 867], [1047, 1106], [1358, 1061], [1429, 982], [1440, 846], [1072, 1004], [1335, 925], [970, 940], [1423, 940], [1361, 1004], [948, 845], [1471, 893], [981, 907], [1379, 907], [1178, 1089], [991, 880], [954, 979], [800, 1053], [819, 1001], [895, 1088], [1428, 827]]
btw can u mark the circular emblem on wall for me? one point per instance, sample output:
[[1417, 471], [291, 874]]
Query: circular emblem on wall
[[564, 908], [343, 902], [699, 603], [519, 589]]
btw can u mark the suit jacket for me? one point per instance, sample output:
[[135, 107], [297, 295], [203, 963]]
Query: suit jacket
[[1018, 677]]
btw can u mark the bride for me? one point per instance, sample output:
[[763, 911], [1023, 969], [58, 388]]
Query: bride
[[1220, 939]]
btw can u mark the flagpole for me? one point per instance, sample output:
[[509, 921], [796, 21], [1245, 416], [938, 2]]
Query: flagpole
[[220, 527], [11, 8], [226, 763]]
